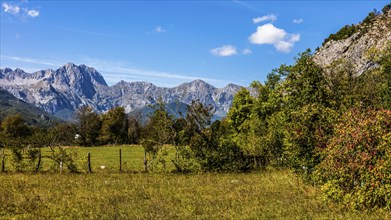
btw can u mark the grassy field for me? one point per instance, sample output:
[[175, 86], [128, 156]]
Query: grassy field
[[108, 194], [108, 156]]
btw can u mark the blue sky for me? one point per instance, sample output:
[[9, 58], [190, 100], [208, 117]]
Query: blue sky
[[168, 43]]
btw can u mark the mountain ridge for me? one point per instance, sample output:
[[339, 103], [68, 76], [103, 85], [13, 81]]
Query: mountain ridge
[[62, 91]]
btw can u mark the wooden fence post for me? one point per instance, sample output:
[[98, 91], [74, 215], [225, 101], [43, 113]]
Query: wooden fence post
[[3, 163], [39, 161], [145, 161], [120, 160], [89, 163]]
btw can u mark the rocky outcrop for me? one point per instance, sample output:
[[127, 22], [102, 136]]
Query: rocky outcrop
[[354, 49]]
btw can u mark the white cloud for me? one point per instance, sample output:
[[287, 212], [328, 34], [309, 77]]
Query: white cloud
[[113, 72], [267, 34], [298, 20], [33, 13], [294, 38], [156, 30], [31, 60], [224, 51], [247, 52], [159, 29], [279, 38], [19, 12], [12, 9], [246, 5], [271, 18], [116, 71]]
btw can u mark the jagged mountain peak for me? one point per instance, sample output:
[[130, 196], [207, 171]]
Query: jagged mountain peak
[[80, 74], [82, 68], [121, 83], [20, 72], [198, 81], [197, 84], [72, 66], [5, 70], [69, 65], [231, 85]]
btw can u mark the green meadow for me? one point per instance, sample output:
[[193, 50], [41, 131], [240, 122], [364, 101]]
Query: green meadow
[[133, 194], [107, 157]]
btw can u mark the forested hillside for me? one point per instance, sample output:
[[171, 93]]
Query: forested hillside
[[9, 105]]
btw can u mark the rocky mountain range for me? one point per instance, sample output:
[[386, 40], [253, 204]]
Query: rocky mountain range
[[62, 91]]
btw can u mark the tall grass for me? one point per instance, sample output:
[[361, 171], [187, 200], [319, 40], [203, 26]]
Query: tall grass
[[108, 194], [267, 195]]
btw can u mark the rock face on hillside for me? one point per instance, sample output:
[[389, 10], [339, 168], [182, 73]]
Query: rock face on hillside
[[373, 35], [64, 90], [9, 105]]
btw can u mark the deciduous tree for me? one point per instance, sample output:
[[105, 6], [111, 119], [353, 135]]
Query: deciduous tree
[[114, 126], [158, 132], [88, 125]]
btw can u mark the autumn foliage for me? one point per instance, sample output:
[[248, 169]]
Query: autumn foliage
[[357, 168]]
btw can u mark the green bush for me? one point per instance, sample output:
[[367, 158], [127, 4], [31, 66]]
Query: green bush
[[306, 137], [26, 159], [386, 8], [357, 168], [185, 161], [343, 33], [64, 158]]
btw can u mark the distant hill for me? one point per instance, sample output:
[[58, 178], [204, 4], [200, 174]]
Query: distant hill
[[175, 109], [10, 105], [62, 91]]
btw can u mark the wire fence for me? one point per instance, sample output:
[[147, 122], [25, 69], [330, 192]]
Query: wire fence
[[73, 159]]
